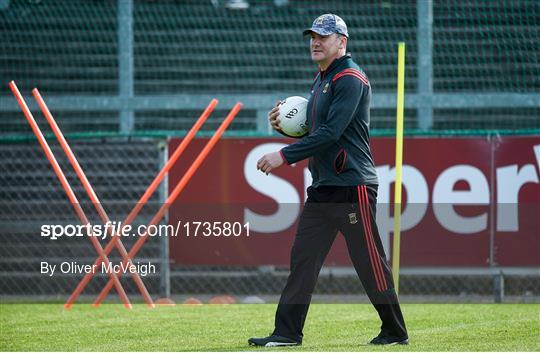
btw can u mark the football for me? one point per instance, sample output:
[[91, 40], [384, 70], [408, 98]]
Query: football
[[292, 116]]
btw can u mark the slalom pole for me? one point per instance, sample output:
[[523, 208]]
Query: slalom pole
[[396, 247], [67, 188], [177, 190], [146, 196], [89, 190]]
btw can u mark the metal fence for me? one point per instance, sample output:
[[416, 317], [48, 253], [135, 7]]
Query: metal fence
[[30, 196], [134, 65]]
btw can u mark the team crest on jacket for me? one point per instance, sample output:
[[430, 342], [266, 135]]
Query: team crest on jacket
[[325, 89], [352, 218]]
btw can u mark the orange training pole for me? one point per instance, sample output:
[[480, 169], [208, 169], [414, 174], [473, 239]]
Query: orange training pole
[[67, 187], [146, 196], [177, 190], [179, 150], [89, 190]]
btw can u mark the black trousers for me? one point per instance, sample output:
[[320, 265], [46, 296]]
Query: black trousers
[[350, 210]]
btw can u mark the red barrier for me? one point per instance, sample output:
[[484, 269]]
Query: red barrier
[[448, 214]]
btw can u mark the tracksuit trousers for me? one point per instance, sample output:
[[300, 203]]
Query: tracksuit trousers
[[350, 210]]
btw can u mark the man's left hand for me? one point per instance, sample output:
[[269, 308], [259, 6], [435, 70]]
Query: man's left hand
[[270, 161]]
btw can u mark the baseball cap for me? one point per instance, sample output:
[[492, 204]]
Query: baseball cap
[[327, 24]]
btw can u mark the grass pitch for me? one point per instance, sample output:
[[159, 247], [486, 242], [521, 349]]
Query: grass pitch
[[329, 327]]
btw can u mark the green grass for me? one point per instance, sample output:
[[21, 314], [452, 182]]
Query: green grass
[[329, 327]]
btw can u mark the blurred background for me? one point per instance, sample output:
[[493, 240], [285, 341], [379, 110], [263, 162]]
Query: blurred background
[[125, 79]]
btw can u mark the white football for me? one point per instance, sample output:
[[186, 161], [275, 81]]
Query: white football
[[292, 116]]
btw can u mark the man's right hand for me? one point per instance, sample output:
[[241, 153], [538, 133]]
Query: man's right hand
[[273, 116]]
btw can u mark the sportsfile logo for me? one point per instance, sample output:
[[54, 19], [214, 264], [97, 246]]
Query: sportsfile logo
[[55, 231], [181, 228]]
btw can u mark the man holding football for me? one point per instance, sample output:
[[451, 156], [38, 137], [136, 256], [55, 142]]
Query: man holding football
[[343, 195]]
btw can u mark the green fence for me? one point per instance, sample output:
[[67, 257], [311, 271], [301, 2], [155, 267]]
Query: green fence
[[139, 67]]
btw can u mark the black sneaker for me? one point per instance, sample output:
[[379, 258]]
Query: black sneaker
[[273, 341], [383, 339]]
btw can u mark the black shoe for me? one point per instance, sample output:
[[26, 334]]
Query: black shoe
[[273, 341], [383, 339]]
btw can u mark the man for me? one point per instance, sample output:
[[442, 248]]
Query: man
[[343, 195]]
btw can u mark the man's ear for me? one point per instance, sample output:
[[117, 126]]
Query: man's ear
[[342, 42]]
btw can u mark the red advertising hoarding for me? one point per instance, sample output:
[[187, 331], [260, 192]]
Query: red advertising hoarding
[[460, 196]]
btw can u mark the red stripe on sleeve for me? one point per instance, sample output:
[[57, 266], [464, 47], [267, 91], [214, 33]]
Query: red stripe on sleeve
[[352, 72]]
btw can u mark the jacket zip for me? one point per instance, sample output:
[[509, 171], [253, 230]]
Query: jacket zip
[[314, 106], [314, 164]]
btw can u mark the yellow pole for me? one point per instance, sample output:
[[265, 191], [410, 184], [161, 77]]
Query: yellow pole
[[399, 161]]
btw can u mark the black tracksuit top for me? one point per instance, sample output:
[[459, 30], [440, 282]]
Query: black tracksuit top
[[337, 143]]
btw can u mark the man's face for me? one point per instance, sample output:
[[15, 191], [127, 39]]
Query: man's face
[[325, 48]]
